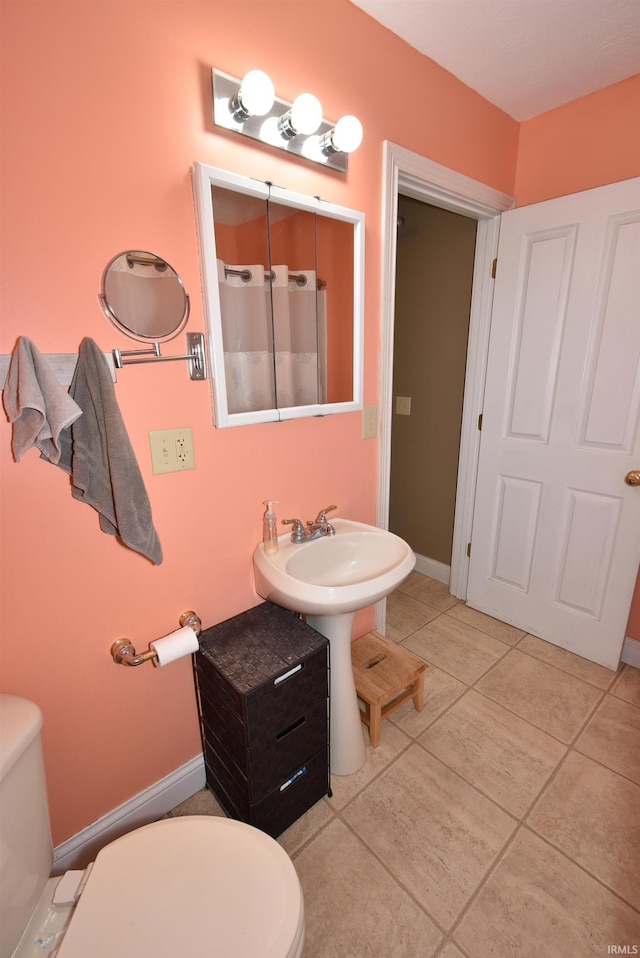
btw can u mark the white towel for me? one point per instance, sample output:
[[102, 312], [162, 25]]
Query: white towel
[[36, 403]]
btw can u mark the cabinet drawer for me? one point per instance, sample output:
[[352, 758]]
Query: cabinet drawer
[[305, 786], [277, 703], [253, 649], [271, 762], [223, 721], [269, 709]]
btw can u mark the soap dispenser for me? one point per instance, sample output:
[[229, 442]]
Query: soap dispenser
[[269, 528]]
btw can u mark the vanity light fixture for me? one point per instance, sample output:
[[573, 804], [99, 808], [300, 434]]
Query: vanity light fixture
[[345, 137], [305, 116], [250, 107], [254, 96]]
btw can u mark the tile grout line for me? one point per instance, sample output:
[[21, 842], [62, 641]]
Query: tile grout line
[[618, 681], [518, 818], [557, 668], [520, 821], [396, 880], [472, 686], [526, 823], [305, 844], [570, 747], [539, 728], [517, 645], [582, 868], [437, 718], [483, 881]]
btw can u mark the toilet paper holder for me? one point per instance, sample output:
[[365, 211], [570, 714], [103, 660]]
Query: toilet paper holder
[[123, 652]]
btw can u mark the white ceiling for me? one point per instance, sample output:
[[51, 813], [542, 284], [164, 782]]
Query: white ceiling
[[524, 56]]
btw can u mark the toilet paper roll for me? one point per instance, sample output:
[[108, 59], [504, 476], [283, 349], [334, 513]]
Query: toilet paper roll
[[174, 646]]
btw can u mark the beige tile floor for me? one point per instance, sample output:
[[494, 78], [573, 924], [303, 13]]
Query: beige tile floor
[[502, 821]]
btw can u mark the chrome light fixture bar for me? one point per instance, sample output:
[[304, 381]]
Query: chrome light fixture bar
[[249, 107]]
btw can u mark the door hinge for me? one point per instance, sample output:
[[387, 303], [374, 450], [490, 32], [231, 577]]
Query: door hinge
[[469, 549], [480, 421], [494, 267]]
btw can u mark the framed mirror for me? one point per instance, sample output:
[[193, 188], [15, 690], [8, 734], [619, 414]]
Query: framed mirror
[[143, 297], [283, 283]]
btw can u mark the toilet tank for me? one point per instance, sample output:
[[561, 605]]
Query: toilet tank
[[26, 853]]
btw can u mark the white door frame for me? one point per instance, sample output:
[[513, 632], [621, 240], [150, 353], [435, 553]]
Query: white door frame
[[415, 176]]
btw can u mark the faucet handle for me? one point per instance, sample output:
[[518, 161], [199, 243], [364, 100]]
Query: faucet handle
[[297, 533], [322, 515]]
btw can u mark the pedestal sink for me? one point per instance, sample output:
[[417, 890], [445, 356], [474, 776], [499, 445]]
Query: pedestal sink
[[328, 580]]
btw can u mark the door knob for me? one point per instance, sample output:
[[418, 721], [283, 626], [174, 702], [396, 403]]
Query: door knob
[[633, 478]]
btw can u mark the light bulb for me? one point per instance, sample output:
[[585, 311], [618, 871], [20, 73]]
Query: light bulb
[[306, 114], [269, 132], [312, 150], [347, 134], [255, 96], [225, 115]]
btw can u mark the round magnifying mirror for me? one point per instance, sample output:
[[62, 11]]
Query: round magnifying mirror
[[143, 296]]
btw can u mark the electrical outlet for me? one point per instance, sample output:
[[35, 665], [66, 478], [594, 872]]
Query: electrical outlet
[[369, 422], [171, 450], [403, 405]]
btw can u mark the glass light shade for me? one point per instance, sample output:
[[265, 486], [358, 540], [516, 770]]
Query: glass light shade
[[347, 135], [306, 114], [257, 93]]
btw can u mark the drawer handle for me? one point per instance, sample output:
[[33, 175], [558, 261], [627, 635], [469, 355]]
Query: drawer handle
[[287, 675], [291, 728], [294, 778]]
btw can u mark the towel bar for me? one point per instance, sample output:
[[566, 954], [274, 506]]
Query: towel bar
[[123, 653], [63, 365]]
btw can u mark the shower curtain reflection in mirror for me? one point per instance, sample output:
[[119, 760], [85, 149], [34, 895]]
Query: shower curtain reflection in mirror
[[274, 336]]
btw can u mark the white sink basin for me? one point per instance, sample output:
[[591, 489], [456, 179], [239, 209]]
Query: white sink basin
[[356, 567], [328, 580]]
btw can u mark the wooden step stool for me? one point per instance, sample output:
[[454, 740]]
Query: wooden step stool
[[386, 677]]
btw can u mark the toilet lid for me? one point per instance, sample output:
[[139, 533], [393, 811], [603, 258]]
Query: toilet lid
[[196, 885]]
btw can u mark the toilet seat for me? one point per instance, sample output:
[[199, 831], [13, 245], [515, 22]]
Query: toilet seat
[[190, 886]]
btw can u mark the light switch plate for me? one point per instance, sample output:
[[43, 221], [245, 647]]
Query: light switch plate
[[369, 422], [403, 405], [171, 450]]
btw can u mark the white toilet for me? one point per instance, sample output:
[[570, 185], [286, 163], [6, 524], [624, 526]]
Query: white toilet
[[189, 886]]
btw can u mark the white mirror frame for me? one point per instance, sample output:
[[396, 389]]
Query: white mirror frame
[[204, 177]]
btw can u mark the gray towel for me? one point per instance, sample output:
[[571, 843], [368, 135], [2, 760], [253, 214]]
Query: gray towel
[[36, 403], [97, 453]]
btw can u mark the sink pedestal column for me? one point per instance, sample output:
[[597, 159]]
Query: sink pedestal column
[[347, 749]]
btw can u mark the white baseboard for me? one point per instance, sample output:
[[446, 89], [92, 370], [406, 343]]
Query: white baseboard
[[631, 652], [432, 568], [145, 807]]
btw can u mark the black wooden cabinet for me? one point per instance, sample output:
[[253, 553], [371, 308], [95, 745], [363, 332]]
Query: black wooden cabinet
[[262, 688]]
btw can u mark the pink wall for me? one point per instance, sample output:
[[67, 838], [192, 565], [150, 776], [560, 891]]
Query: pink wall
[[106, 105], [585, 144]]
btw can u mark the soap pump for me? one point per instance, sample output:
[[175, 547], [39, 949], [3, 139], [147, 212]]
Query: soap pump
[[269, 528]]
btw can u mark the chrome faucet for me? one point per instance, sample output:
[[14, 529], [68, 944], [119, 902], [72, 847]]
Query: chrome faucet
[[321, 526], [312, 530]]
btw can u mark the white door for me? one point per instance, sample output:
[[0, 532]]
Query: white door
[[556, 532]]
